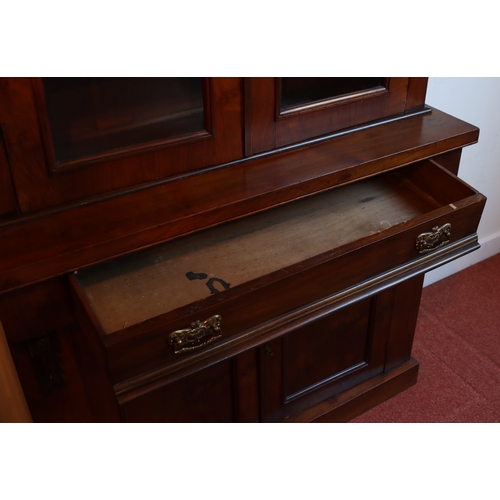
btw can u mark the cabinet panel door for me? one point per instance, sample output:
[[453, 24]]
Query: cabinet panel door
[[205, 396], [326, 355], [284, 111], [72, 138]]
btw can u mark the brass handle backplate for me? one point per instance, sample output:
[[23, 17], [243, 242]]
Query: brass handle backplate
[[438, 237], [200, 334]]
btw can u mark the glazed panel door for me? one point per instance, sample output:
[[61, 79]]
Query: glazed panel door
[[284, 111], [73, 138]]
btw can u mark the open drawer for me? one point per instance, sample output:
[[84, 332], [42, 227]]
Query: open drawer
[[209, 295]]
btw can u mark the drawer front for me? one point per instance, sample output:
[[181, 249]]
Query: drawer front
[[239, 315], [228, 322]]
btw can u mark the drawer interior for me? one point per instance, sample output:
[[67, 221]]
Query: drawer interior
[[134, 288]]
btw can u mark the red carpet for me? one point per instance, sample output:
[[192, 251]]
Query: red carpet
[[457, 343]]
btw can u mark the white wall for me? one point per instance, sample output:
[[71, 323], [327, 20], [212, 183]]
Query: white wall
[[477, 101]]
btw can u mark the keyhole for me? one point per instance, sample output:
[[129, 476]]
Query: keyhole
[[269, 352]]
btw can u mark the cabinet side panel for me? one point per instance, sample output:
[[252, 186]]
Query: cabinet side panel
[[13, 406], [51, 379], [450, 161], [39, 325]]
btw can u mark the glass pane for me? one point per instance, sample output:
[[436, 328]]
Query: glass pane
[[89, 116], [300, 91]]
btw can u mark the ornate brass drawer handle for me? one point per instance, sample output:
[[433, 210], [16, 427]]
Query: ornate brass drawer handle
[[438, 237], [199, 335]]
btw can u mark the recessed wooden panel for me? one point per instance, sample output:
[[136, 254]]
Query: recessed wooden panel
[[325, 349], [336, 349]]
